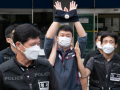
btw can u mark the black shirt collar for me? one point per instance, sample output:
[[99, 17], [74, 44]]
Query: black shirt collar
[[97, 51], [113, 58], [20, 65]]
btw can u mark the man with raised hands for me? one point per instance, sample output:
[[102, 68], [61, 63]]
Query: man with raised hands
[[65, 66]]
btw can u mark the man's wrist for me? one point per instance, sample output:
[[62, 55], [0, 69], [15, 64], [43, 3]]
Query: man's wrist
[[62, 16], [78, 55]]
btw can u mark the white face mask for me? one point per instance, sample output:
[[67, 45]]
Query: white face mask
[[64, 42], [108, 48], [12, 43], [32, 52], [99, 45]]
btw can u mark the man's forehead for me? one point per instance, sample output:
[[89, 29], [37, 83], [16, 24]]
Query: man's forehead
[[108, 38], [99, 36], [64, 32]]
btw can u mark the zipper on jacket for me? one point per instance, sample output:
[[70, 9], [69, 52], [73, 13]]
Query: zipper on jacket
[[106, 75], [30, 86], [106, 80], [63, 63], [102, 88]]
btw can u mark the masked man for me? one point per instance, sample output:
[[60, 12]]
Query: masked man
[[65, 65], [27, 71], [104, 69], [9, 52]]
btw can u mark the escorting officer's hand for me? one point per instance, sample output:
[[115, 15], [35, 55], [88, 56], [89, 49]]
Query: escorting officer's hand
[[77, 50]]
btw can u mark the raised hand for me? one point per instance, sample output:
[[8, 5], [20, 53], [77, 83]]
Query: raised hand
[[77, 49], [73, 5], [58, 5]]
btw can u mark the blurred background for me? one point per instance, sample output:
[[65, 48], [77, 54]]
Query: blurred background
[[94, 15]]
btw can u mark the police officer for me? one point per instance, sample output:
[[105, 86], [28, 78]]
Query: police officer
[[90, 54], [27, 71], [104, 68], [9, 52], [65, 64]]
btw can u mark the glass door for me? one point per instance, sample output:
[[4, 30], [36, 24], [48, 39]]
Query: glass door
[[89, 23]]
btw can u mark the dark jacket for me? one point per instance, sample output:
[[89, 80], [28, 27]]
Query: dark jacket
[[65, 67], [66, 70], [14, 79], [6, 54], [100, 79], [91, 54]]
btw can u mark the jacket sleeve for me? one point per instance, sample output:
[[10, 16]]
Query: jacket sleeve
[[1, 58], [1, 81], [48, 46], [82, 44], [90, 64]]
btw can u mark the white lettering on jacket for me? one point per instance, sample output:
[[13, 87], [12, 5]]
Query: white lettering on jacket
[[98, 62], [13, 78], [116, 64], [42, 74]]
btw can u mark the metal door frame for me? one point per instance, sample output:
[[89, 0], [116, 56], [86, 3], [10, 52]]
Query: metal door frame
[[96, 12]]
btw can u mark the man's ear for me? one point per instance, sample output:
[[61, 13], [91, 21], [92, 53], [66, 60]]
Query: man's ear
[[72, 40], [72, 44], [8, 40], [116, 45], [18, 45]]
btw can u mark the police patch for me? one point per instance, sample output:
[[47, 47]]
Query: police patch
[[43, 85], [66, 16], [115, 77]]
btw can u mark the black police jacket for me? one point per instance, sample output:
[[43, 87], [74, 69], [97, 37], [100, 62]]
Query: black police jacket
[[100, 79], [7, 54], [14, 79]]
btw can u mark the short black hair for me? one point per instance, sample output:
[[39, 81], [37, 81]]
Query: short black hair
[[99, 33], [24, 32], [9, 29], [111, 34], [65, 28]]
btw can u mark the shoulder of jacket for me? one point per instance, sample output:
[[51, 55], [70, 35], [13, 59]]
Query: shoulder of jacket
[[91, 52], [43, 61], [98, 56], [4, 50], [117, 56], [7, 65]]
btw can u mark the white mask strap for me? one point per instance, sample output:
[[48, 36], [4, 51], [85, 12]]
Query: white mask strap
[[23, 47], [13, 43]]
